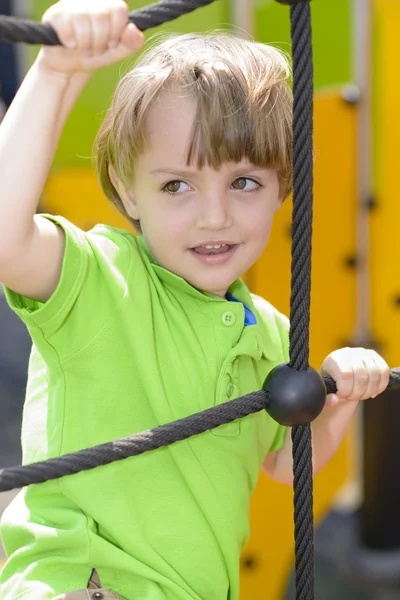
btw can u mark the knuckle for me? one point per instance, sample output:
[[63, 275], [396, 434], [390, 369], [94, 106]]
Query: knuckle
[[375, 378], [54, 17], [81, 23], [347, 375], [343, 391], [121, 5], [49, 15], [102, 16], [121, 13]]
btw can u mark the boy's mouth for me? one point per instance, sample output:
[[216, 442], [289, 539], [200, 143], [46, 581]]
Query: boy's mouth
[[213, 248]]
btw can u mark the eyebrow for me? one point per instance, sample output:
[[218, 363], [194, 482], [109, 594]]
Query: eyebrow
[[174, 171], [192, 173]]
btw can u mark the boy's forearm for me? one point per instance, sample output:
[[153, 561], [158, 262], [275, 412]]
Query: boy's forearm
[[75, 87], [328, 431], [29, 134]]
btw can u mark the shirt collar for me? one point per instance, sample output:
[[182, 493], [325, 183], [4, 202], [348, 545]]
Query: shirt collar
[[175, 280], [266, 333]]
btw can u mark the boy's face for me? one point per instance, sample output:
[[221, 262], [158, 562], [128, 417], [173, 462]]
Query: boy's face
[[182, 209]]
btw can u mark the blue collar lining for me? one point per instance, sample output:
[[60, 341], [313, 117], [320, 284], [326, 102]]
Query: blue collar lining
[[249, 316]]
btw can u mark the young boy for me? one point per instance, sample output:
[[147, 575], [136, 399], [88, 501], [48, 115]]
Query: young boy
[[131, 332]]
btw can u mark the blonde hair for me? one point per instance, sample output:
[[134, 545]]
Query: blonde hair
[[244, 107]]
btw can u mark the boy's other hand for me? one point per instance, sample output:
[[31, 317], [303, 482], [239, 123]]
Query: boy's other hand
[[359, 374], [94, 34]]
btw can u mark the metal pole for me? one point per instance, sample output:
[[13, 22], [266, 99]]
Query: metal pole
[[362, 68], [243, 17]]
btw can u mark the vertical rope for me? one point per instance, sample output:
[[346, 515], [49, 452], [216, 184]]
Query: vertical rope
[[15, 30], [300, 18]]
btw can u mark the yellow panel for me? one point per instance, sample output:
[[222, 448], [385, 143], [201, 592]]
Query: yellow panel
[[385, 218], [76, 194], [332, 320]]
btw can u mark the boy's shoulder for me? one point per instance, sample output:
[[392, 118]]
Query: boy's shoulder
[[103, 242], [102, 231], [274, 328], [96, 234], [269, 312]]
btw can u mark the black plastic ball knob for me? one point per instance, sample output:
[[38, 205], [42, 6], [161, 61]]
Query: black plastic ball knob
[[295, 397]]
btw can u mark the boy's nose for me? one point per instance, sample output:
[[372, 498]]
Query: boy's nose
[[214, 214]]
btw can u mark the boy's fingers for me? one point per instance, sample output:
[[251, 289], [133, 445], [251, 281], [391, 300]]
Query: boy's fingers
[[101, 32], [112, 55], [132, 37], [361, 377], [339, 367], [83, 32], [119, 20], [374, 375], [332, 400], [63, 26], [384, 371]]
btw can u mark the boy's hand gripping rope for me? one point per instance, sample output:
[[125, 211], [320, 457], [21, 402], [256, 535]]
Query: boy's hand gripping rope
[[16, 30], [292, 394]]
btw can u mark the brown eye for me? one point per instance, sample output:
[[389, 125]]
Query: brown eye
[[245, 184], [173, 186], [239, 183]]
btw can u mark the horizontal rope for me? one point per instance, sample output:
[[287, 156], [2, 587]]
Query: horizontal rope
[[14, 30], [146, 441]]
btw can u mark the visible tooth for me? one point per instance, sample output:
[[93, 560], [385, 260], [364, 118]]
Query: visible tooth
[[214, 246]]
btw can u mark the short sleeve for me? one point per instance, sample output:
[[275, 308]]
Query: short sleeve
[[279, 439], [75, 260], [95, 265]]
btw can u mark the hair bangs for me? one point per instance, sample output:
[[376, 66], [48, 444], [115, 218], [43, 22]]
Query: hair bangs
[[243, 107], [236, 121]]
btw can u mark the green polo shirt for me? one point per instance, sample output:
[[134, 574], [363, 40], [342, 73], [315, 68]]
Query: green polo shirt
[[124, 345]]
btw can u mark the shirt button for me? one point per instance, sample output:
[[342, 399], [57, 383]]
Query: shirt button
[[229, 389], [228, 318]]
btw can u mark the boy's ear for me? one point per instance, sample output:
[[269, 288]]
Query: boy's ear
[[126, 196]]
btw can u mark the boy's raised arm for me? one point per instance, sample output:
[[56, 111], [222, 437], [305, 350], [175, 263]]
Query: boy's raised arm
[[94, 35], [31, 249]]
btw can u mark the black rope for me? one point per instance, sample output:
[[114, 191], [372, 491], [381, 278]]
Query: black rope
[[17, 30], [14, 30], [300, 18], [135, 444], [145, 441]]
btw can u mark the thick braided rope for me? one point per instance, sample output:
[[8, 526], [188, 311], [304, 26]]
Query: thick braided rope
[[15, 30], [145, 441], [135, 444], [300, 17]]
